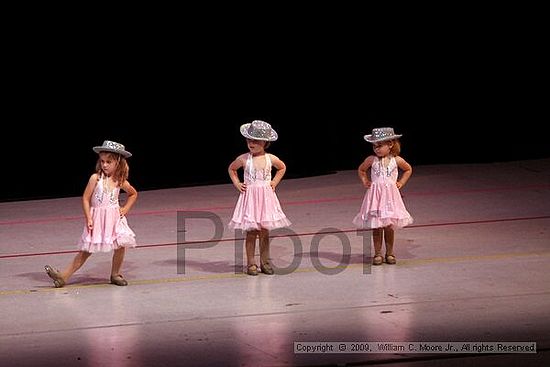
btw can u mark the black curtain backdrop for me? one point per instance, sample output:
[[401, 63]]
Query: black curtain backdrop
[[181, 120], [173, 147]]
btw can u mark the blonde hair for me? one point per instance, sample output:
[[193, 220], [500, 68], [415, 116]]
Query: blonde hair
[[122, 169]]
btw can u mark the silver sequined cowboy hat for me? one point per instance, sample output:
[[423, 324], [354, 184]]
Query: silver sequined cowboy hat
[[382, 134], [259, 130], [113, 147]]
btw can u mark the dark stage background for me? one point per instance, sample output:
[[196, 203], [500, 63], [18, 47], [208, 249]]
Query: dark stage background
[[190, 141], [182, 122], [457, 96]]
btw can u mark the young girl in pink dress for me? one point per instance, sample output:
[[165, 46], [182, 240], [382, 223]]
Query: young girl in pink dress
[[258, 209], [106, 227], [383, 209]]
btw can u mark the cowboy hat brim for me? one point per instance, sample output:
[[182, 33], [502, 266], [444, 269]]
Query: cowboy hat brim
[[123, 153], [370, 139]]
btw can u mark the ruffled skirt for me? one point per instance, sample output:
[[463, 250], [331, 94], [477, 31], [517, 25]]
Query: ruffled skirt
[[382, 206], [110, 232], [258, 208]]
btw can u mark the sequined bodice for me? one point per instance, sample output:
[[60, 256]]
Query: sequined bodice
[[381, 173], [253, 175], [103, 196]]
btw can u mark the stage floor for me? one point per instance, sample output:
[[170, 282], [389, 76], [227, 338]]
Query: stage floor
[[472, 269]]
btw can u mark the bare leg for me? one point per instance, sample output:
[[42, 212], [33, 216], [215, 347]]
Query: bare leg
[[118, 257], [388, 238], [251, 267], [60, 278], [377, 242], [264, 246], [77, 263], [264, 252], [251, 247]]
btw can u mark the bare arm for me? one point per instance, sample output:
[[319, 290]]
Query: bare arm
[[86, 198], [132, 197], [281, 169], [232, 170], [406, 171], [362, 171]]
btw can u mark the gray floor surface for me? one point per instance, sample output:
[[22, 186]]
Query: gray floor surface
[[472, 270]]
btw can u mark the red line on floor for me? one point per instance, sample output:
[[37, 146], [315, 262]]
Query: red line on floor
[[284, 203], [8, 256]]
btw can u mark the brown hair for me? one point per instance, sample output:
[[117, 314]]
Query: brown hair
[[396, 148], [122, 168]]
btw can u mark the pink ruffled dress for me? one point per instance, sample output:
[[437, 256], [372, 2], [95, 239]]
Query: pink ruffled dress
[[382, 205], [258, 207], [110, 231]]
